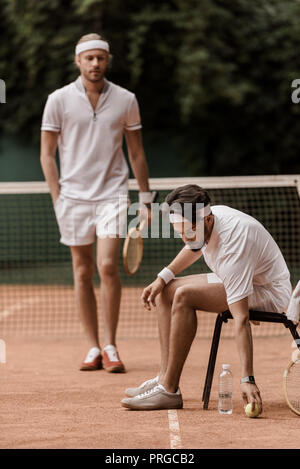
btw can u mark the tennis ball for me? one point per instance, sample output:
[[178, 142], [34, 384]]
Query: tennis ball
[[248, 410]]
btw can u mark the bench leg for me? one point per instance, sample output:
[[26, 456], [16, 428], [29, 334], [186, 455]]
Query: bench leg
[[293, 331], [212, 361]]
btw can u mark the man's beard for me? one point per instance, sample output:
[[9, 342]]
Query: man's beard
[[96, 79], [196, 246]]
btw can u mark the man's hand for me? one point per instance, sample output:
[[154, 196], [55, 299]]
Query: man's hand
[[55, 197], [251, 394], [151, 292], [256, 323]]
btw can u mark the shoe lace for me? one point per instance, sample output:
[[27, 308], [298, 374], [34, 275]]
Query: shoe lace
[[113, 355], [91, 356], [147, 393], [149, 381]]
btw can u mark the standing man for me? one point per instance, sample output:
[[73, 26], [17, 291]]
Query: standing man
[[87, 120], [248, 272]]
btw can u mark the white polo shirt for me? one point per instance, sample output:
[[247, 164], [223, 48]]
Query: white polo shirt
[[243, 254], [92, 163]]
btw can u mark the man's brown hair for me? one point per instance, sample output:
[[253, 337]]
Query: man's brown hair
[[91, 37], [189, 194]]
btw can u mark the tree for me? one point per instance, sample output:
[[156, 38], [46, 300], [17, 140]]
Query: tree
[[233, 64], [212, 76]]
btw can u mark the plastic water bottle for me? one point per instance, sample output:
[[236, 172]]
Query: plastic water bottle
[[225, 390]]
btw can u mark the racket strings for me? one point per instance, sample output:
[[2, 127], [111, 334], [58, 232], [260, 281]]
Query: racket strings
[[293, 385], [133, 254]]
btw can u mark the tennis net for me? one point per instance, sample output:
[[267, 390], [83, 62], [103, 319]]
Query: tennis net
[[36, 281]]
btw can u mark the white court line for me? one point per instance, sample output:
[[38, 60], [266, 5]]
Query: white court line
[[17, 307], [175, 438]]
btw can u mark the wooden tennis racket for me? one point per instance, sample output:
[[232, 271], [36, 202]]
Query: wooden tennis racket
[[291, 385], [134, 246]]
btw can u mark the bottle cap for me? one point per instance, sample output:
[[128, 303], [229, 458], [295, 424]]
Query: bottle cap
[[226, 367]]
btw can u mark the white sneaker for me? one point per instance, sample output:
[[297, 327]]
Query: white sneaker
[[93, 353], [156, 398], [145, 386]]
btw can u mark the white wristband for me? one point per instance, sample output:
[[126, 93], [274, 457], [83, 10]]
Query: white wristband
[[166, 274], [145, 197]]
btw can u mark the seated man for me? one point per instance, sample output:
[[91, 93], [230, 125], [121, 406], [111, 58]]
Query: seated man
[[249, 272]]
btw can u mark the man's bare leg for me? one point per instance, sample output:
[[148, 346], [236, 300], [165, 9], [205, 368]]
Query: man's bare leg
[[189, 293], [110, 293], [177, 321], [164, 306], [83, 269]]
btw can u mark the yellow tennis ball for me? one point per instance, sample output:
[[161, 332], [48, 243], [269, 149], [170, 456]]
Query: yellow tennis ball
[[248, 410]]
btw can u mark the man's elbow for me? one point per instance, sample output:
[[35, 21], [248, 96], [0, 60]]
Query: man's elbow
[[240, 312], [44, 158], [136, 156], [47, 156], [241, 321]]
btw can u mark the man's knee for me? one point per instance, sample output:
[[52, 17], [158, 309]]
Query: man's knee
[[83, 272], [107, 269], [181, 297]]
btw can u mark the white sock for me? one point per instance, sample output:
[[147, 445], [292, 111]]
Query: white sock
[[92, 354], [112, 353], [164, 389]]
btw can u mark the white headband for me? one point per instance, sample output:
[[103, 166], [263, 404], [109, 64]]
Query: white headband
[[200, 214], [89, 45]]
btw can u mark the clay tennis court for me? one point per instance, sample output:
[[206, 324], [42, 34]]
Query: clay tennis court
[[47, 403]]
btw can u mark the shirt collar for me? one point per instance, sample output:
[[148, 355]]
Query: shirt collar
[[81, 88]]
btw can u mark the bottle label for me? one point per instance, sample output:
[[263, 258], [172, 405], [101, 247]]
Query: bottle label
[[225, 395]]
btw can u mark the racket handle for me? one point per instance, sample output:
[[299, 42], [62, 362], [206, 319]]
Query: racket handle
[[154, 198]]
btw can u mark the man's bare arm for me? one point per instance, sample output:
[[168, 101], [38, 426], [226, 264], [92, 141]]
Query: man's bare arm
[[137, 158], [240, 314], [49, 166], [183, 260], [243, 337]]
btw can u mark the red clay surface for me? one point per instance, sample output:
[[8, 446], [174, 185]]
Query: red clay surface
[[45, 402]]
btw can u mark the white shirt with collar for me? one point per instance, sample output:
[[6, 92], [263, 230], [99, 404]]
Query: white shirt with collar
[[92, 164], [243, 254]]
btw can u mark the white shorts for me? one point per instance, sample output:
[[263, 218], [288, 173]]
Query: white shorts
[[79, 222], [273, 298]]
